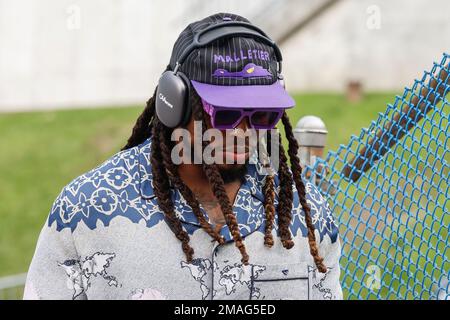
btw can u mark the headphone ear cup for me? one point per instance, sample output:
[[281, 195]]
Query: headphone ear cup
[[171, 99]]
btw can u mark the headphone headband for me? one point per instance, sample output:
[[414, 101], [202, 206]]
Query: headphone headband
[[172, 101], [222, 30]]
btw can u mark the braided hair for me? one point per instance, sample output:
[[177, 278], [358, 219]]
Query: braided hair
[[165, 173]]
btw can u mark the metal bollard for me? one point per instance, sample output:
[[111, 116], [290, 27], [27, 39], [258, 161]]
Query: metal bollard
[[311, 134]]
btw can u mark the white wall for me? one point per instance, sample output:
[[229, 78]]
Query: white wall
[[339, 47], [114, 57], [121, 47]]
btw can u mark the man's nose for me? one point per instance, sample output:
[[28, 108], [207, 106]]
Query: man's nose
[[244, 124]]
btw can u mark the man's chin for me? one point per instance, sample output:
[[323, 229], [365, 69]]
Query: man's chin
[[232, 172], [233, 166]]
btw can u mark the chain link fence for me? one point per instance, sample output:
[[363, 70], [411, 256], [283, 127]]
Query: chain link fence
[[390, 195]]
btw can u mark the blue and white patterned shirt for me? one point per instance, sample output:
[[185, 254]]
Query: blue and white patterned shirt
[[106, 238]]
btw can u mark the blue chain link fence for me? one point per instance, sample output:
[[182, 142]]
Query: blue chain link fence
[[389, 189]]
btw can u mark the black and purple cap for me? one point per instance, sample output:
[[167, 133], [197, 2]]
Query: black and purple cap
[[236, 71]]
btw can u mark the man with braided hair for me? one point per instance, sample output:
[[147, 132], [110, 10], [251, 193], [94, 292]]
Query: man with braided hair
[[144, 225]]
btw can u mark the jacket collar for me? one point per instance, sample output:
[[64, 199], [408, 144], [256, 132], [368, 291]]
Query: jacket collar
[[248, 205], [145, 170]]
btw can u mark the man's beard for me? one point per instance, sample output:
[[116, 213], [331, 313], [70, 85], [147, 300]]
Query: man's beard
[[234, 173]]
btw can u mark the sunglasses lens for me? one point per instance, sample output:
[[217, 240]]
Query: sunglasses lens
[[265, 118], [226, 118]]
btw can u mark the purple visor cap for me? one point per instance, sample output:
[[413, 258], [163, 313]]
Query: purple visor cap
[[249, 96]]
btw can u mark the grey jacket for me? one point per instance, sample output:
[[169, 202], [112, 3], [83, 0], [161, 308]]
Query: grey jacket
[[106, 238]]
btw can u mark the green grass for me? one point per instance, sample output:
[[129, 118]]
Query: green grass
[[341, 117], [40, 152]]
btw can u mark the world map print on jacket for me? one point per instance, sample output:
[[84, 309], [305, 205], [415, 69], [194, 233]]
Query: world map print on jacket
[[239, 274], [199, 269], [80, 272], [122, 186], [230, 276]]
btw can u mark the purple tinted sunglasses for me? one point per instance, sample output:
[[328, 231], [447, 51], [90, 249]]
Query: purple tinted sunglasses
[[229, 118]]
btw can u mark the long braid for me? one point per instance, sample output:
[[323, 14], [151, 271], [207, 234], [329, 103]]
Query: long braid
[[162, 192], [285, 199], [268, 192], [269, 196], [296, 172], [218, 188], [184, 190]]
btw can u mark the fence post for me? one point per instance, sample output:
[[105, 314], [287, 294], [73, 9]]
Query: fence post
[[11, 286], [311, 135]]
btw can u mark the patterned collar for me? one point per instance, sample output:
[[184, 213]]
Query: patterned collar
[[248, 205]]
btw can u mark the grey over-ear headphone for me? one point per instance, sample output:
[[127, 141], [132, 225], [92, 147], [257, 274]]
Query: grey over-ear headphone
[[172, 96]]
